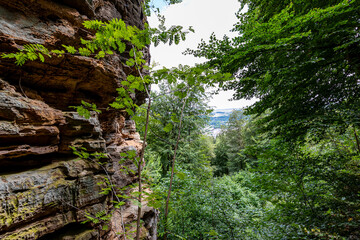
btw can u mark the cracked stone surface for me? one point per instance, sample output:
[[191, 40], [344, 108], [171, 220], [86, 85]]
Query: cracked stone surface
[[45, 190]]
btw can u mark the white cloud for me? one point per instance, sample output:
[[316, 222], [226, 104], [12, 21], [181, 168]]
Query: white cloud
[[206, 17]]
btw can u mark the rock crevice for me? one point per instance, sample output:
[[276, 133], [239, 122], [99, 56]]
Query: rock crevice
[[46, 190]]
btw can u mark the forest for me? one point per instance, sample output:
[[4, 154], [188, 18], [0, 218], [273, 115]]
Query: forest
[[286, 167]]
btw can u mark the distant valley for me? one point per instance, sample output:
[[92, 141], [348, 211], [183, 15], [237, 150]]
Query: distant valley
[[219, 117]]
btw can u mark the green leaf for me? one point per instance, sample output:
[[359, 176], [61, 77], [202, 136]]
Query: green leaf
[[100, 54], [105, 227], [70, 49], [42, 59], [136, 202], [168, 127], [123, 154], [181, 175]]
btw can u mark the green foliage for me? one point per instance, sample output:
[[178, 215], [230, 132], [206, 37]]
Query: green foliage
[[28, 52], [232, 144], [221, 159], [69, 49], [188, 83], [83, 153], [113, 35], [152, 169], [101, 216], [312, 185], [164, 122], [199, 76], [85, 109], [299, 59], [206, 208], [118, 196], [110, 36], [172, 35]]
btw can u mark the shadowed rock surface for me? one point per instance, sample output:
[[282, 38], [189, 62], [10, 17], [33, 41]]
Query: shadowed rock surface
[[45, 190]]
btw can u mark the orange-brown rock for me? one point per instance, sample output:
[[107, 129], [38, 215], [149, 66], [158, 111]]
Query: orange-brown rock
[[45, 190]]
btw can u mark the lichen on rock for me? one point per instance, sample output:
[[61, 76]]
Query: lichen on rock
[[45, 190]]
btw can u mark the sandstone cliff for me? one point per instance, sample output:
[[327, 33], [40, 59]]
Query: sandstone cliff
[[44, 189]]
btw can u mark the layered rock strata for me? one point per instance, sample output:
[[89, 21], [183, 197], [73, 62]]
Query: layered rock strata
[[46, 190]]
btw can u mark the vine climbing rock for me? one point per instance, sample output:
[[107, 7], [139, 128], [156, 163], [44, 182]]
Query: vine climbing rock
[[46, 190]]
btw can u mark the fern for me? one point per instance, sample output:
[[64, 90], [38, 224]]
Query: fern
[[29, 52], [70, 49], [85, 109]]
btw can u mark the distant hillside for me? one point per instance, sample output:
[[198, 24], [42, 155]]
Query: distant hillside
[[220, 117]]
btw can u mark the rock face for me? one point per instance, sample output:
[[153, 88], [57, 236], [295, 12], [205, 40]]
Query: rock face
[[46, 190]]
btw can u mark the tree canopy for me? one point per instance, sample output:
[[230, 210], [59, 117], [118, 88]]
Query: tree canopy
[[299, 58]]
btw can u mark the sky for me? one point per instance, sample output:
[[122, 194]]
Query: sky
[[206, 17]]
